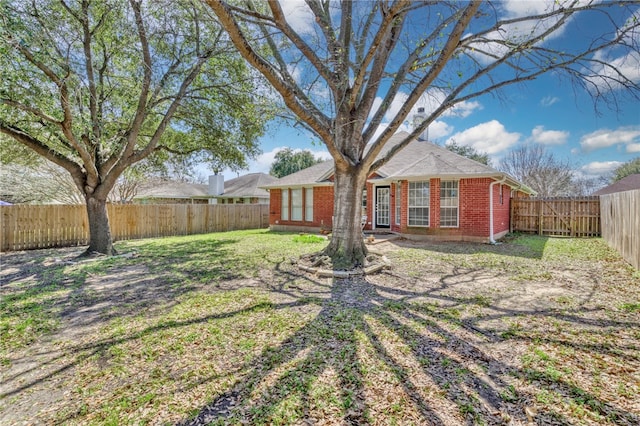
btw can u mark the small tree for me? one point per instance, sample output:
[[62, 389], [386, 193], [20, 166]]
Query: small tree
[[537, 168], [469, 152], [631, 167], [288, 161], [96, 86]]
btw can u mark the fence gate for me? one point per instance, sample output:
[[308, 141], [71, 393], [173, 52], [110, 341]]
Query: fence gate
[[571, 217]]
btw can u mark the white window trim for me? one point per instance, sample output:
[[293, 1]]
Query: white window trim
[[457, 206], [284, 206], [308, 207], [398, 204], [300, 207], [428, 206]]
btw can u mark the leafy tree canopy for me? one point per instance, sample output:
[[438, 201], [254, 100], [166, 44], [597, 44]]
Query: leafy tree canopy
[[469, 152], [629, 168], [288, 161], [96, 86]]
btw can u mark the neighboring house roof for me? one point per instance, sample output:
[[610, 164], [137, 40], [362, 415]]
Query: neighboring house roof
[[246, 186], [417, 160], [627, 183], [171, 189], [249, 185], [316, 174]]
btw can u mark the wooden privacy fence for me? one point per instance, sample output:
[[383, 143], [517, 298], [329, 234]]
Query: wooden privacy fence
[[571, 217], [40, 226], [621, 223]]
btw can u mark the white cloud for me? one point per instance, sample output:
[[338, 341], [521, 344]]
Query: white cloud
[[433, 98], [547, 101], [430, 101], [604, 138], [617, 63], [298, 15], [492, 45], [632, 148], [490, 137], [610, 74], [518, 8], [548, 137], [439, 129], [599, 168]]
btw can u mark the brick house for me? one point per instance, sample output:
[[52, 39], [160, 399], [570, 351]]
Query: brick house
[[424, 191]]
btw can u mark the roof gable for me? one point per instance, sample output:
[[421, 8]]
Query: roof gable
[[173, 189], [418, 159], [249, 185]]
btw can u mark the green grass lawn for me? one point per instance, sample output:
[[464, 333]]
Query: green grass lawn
[[225, 329]]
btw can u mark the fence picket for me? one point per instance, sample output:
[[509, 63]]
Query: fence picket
[[621, 223], [39, 226], [576, 217]]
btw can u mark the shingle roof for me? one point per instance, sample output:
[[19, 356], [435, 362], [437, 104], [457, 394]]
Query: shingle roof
[[311, 175], [419, 159], [627, 183], [171, 189], [249, 185]]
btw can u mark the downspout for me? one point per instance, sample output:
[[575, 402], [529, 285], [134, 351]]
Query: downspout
[[504, 178]]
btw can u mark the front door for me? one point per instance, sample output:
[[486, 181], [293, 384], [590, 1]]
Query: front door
[[382, 206]]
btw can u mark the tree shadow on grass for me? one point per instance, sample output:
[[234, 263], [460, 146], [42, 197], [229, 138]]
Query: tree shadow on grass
[[532, 247], [368, 358], [49, 301], [373, 353]]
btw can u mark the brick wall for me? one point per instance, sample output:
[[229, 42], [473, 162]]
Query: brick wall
[[473, 207], [322, 209]]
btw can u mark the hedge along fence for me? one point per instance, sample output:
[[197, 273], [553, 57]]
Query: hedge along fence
[[620, 213], [40, 226]]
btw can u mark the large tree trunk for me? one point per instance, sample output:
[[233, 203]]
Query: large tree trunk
[[347, 249], [99, 232]]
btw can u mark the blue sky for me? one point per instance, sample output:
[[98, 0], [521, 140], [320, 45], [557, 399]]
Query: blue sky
[[548, 111]]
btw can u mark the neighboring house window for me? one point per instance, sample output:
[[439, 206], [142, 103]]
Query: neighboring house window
[[284, 214], [398, 205], [296, 204], [308, 204], [448, 204], [419, 203]]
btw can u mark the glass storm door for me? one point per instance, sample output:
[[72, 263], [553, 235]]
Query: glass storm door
[[382, 206]]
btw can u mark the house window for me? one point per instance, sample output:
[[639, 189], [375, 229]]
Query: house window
[[448, 204], [397, 202], [284, 214], [364, 201], [419, 203], [296, 204], [308, 204], [501, 195]]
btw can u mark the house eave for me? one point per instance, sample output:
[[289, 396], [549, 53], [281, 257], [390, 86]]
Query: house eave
[[457, 176], [298, 185]]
